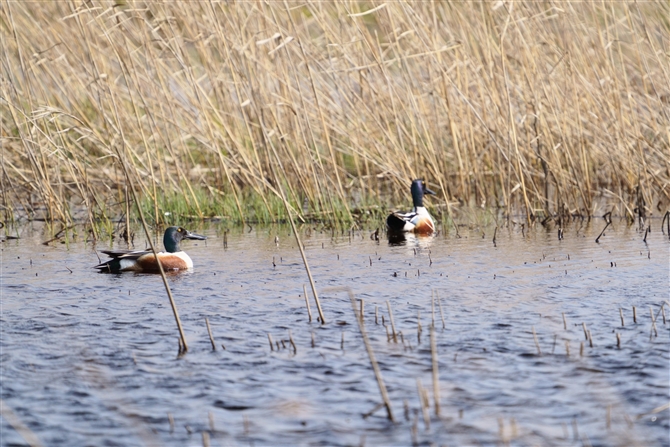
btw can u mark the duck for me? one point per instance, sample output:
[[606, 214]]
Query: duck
[[416, 221], [145, 261]]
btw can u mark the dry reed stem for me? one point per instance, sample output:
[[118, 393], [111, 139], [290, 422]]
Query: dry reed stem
[[395, 337], [13, 420], [653, 323], [436, 381], [309, 311], [423, 402], [432, 309], [298, 242], [209, 331], [608, 222], [290, 338], [537, 343], [371, 355], [439, 303], [171, 422], [173, 304]]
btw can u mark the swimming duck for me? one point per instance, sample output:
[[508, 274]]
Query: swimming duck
[[418, 220], [145, 261]]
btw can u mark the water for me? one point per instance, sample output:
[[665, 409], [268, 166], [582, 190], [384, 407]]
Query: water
[[91, 359]]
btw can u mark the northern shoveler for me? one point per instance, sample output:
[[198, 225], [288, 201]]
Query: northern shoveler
[[145, 261], [418, 220]]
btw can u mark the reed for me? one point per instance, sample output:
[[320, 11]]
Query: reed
[[17, 424], [608, 222], [393, 331], [371, 356], [424, 402], [653, 330], [211, 336], [171, 421], [439, 303], [545, 110], [436, 380], [537, 343], [309, 311], [663, 313], [295, 348]]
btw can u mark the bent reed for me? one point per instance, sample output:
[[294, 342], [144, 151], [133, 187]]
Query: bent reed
[[543, 108]]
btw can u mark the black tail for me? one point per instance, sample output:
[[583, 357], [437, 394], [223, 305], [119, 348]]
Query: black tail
[[395, 223]]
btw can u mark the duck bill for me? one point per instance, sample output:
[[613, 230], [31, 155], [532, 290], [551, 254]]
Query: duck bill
[[199, 237], [428, 191]]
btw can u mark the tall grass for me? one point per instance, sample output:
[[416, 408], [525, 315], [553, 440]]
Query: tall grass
[[545, 108]]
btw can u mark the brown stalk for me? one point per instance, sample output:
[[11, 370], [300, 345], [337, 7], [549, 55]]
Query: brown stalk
[[371, 355], [436, 380], [211, 337]]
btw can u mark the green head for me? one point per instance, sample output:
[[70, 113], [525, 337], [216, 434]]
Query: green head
[[174, 235]]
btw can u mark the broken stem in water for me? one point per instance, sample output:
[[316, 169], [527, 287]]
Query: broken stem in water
[[209, 331], [395, 337], [537, 343], [309, 311], [436, 381], [371, 355], [608, 222]]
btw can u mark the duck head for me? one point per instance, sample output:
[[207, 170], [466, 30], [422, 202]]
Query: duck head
[[174, 235], [418, 191]]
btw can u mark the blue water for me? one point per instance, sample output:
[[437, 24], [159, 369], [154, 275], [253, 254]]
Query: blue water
[[92, 359]]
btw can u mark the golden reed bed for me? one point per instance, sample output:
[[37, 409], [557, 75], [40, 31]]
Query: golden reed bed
[[546, 108]]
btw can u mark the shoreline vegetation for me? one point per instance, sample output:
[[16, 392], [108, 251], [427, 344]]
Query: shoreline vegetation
[[217, 109]]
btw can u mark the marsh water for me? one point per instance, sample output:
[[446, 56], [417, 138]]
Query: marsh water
[[91, 359]]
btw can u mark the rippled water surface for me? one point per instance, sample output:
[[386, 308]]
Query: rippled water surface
[[91, 359]]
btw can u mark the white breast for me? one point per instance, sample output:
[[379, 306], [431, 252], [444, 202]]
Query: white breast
[[186, 258]]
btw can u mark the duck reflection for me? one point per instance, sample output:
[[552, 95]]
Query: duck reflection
[[412, 240]]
